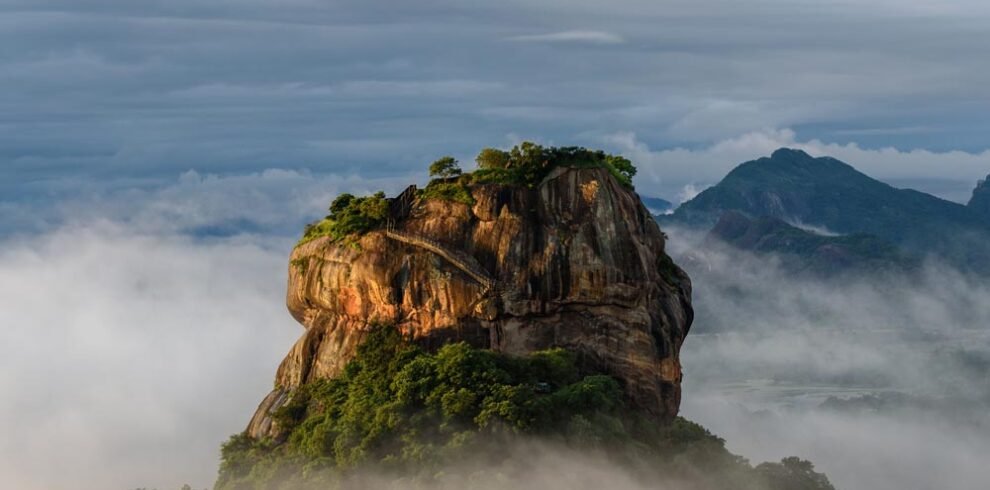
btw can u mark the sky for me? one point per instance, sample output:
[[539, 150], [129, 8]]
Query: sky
[[109, 93], [158, 159]]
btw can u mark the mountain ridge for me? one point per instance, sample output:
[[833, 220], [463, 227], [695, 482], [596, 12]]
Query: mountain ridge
[[793, 186], [802, 251]]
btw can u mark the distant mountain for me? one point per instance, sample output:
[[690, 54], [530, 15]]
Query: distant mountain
[[980, 202], [824, 192], [804, 251], [657, 205]]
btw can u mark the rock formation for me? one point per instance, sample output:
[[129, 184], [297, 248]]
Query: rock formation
[[980, 202], [576, 262]]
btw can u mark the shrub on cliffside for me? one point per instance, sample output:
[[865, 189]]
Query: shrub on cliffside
[[445, 184], [349, 215]]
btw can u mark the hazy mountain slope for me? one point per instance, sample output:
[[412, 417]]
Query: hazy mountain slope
[[804, 251], [794, 187], [657, 205]]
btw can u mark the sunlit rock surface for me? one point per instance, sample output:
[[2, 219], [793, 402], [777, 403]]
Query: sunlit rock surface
[[577, 262]]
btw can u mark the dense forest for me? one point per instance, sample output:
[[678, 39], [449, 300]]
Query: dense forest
[[457, 416]]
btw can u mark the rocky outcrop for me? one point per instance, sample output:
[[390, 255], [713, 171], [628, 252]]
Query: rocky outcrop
[[576, 262], [980, 202]]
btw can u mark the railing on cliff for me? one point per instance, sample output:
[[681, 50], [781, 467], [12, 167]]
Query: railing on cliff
[[458, 259]]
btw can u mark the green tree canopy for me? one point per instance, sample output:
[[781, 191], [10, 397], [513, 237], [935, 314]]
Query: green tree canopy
[[528, 163], [349, 215], [445, 168], [341, 203], [490, 158], [622, 165]]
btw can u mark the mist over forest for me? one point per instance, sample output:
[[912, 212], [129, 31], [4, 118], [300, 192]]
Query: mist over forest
[[880, 378]]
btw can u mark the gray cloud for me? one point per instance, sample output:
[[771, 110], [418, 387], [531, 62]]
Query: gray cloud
[[592, 37], [114, 89], [125, 358], [951, 174], [274, 202]]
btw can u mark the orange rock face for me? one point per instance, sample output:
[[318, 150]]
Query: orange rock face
[[577, 262]]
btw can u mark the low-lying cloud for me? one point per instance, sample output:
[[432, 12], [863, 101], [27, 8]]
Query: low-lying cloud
[[273, 202], [878, 379], [127, 357], [950, 174], [142, 324], [133, 346]]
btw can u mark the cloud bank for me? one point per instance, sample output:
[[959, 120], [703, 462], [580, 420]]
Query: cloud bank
[[880, 380], [126, 357], [143, 323], [146, 333], [951, 175]]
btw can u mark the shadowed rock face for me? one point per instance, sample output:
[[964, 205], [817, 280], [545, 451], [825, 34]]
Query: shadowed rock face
[[980, 202], [577, 262]]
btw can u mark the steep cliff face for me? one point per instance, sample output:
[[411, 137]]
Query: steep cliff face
[[577, 262]]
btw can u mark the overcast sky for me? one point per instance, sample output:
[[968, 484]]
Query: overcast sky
[[157, 159], [121, 93]]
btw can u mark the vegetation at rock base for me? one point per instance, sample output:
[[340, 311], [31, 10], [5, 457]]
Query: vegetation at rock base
[[792, 472], [421, 418], [349, 215]]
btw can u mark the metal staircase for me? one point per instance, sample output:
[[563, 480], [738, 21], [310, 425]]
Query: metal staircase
[[458, 259]]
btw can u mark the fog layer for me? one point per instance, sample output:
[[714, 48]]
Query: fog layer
[[125, 359], [881, 380], [130, 349]]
